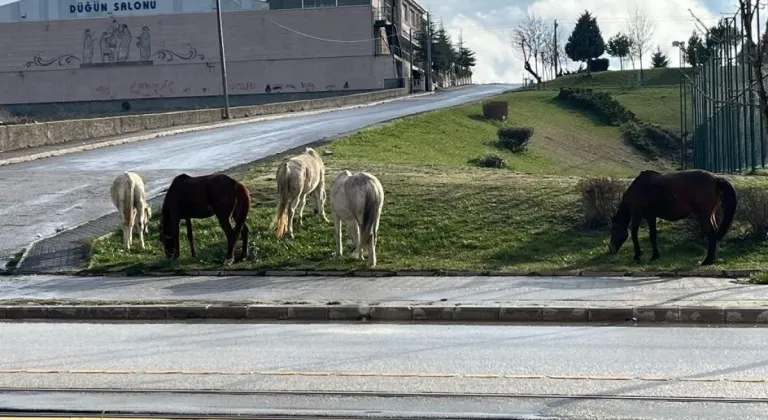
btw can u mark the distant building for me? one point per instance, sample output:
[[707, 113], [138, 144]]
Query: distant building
[[111, 56]]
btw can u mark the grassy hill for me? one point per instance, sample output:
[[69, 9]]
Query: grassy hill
[[443, 212], [621, 79]]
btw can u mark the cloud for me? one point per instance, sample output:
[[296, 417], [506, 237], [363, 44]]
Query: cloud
[[487, 26]]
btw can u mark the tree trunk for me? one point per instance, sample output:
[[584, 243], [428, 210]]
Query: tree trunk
[[535, 75]]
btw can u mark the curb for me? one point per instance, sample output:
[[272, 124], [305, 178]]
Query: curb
[[210, 126], [368, 273], [386, 313]]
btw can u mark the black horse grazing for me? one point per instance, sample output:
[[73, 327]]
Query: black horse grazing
[[200, 198], [674, 196]]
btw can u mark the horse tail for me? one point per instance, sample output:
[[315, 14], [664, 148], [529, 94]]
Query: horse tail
[[241, 207], [371, 213], [280, 222], [727, 199], [128, 203]]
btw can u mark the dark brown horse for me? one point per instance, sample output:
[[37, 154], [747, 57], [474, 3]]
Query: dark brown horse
[[674, 196], [200, 198]]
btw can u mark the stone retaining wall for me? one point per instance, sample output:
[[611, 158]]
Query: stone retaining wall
[[14, 137]]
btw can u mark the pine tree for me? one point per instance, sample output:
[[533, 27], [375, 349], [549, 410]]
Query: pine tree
[[659, 59], [586, 41], [695, 51], [465, 58], [420, 50]]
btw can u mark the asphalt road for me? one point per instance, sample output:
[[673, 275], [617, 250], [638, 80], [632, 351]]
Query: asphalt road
[[532, 371], [40, 197]]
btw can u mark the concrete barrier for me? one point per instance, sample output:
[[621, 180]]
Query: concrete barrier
[[14, 137]]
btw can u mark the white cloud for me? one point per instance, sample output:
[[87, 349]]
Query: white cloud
[[486, 29]]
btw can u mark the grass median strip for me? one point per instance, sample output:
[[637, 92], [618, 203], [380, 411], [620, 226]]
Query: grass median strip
[[442, 213]]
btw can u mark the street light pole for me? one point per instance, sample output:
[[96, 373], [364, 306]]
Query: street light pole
[[225, 89]]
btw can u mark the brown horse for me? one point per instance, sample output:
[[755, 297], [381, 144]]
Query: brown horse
[[674, 196], [200, 198]]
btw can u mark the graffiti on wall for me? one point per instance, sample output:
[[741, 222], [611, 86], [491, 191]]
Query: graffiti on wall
[[274, 88], [113, 47]]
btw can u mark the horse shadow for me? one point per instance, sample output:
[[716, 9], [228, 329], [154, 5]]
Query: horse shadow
[[677, 254]]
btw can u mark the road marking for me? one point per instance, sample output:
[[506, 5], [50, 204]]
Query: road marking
[[385, 375]]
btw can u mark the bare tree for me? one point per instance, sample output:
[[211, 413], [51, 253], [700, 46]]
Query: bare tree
[[756, 55], [640, 30], [528, 38]]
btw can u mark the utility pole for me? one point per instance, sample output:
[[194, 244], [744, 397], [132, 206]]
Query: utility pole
[[225, 89], [428, 65], [557, 58]]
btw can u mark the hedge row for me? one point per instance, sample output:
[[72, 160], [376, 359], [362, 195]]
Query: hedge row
[[650, 139]]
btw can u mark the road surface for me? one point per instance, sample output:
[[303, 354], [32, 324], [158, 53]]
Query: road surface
[[605, 372], [40, 197]]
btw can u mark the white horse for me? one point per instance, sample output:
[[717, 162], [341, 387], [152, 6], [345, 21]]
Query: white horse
[[357, 200], [127, 192], [297, 178]]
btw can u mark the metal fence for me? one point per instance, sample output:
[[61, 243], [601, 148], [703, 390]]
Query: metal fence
[[728, 128]]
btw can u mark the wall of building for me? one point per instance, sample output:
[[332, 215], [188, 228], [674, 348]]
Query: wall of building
[[36, 10], [176, 56]]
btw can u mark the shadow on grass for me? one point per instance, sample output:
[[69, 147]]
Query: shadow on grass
[[574, 249]]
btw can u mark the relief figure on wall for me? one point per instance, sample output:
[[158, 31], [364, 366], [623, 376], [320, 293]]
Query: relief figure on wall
[[114, 45], [143, 42], [124, 39], [88, 47], [105, 47]]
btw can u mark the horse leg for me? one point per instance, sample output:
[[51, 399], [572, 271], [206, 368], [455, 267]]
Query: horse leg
[[191, 239], [291, 213], [231, 235], [244, 237], [652, 232], [635, 226], [302, 203], [353, 230], [706, 224], [372, 251], [320, 202], [141, 229], [337, 235]]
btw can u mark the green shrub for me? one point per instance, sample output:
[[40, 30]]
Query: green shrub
[[601, 104], [490, 160], [514, 139], [752, 209], [600, 198]]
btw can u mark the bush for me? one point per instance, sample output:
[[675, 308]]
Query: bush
[[496, 110], [599, 64], [490, 160], [753, 209], [514, 139], [652, 139], [600, 198], [601, 104]]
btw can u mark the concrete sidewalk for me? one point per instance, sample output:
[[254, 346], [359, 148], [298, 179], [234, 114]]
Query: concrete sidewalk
[[478, 299]]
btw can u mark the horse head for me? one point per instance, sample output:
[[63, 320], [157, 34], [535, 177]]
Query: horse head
[[619, 227], [166, 240]]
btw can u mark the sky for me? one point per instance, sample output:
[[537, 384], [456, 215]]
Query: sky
[[486, 26]]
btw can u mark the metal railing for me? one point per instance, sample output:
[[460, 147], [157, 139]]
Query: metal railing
[[728, 127]]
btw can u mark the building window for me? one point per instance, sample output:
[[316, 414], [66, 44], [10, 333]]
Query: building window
[[354, 2], [285, 4], [319, 3]]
